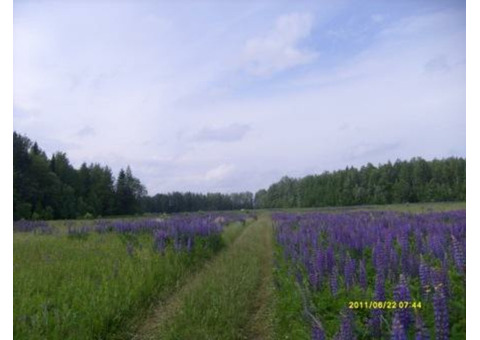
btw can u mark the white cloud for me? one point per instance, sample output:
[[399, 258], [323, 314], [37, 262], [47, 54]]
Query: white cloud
[[230, 133], [219, 172], [155, 96], [278, 50], [86, 131]]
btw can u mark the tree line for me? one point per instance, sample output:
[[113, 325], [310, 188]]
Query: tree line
[[179, 202], [411, 181], [51, 188]]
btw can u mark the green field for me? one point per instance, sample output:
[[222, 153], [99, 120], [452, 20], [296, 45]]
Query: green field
[[94, 286], [116, 286], [401, 207]]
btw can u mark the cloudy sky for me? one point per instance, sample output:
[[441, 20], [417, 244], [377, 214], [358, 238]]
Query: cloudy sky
[[232, 95]]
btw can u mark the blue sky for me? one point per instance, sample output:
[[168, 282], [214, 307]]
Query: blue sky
[[230, 96]]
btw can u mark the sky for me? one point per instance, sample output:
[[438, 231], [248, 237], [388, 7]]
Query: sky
[[228, 96]]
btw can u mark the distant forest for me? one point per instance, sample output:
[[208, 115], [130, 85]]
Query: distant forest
[[411, 181], [51, 188]]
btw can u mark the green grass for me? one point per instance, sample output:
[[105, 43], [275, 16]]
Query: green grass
[[420, 207], [221, 303], [88, 288], [289, 312], [231, 232], [403, 207], [91, 288]]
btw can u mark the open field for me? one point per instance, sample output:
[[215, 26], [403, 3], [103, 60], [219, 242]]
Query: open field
[[401, 207], [278, 275], [89, 282], [239, 170]]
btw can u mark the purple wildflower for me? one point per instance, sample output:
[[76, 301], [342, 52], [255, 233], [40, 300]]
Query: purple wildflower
[[317, 332], [421, 331], [379, 258], [398, 332], [441, 313], [330, 259], [160, 241], [458, 255], [334, 282], [347, 326], [379, 287], [401, 294], [375, 323], [424, 274], [349, 272]]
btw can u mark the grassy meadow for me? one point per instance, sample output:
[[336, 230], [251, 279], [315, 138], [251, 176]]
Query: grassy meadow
[[284, 274], [92, 285]]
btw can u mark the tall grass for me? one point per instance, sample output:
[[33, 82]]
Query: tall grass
[[222, 301], [89, 287], [414, 208]]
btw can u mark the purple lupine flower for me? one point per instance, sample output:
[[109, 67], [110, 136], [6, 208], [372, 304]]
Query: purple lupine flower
[[319, 265], [334, 282], [317, 332], [349, 272], [418, 240], [330, 259], [379, 258], [347, 326], [436, 246], [379, 287], [413, 262], [376, 314], [458, 255], [400, 244], [41, 227], [393, 269], [424, 274], [421, 331], [160, 241], [439, 280], [401, 293], [313, 277], [441, 313], [375, 323], [398, 332], [404, 245]]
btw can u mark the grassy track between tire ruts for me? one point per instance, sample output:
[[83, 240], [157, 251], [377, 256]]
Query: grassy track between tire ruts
[[231, 298]]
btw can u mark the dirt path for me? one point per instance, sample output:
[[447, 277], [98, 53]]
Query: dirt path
[[255, 239]]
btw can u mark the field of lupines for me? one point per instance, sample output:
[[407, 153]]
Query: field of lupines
[[84, 281], [370, 275]]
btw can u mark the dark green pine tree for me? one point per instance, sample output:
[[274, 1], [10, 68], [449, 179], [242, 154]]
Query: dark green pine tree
[[129, 193]]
